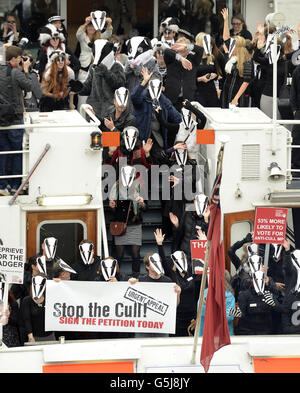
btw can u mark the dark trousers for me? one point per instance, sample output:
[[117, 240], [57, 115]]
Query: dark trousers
[[11, 164]]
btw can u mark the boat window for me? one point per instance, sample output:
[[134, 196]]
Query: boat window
[[69, 234]]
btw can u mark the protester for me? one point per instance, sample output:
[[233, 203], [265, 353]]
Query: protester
[[55, 82]]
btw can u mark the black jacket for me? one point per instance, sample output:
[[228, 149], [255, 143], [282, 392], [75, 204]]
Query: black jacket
[[256, 314], [187, 231], [86, 272], [179, 78], [295, 89]]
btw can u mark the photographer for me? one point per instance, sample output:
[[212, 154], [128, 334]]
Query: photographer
[[11, 29], [32, 98], [12, 84]]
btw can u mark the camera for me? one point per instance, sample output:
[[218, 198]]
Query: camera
[[24, 58]]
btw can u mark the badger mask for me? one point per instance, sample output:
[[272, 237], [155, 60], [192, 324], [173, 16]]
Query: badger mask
[[86, 252], [155, 263], [180, 260], [207, 44], [50, 246], [65, 266], [2, 286], [201, 203], [128, 174], [104, 53], [41, 264], [155, 88], [181, 156], [121, 96], [130, 136], [252, 249], [277, 251], [38, 286], [295, 257], [231, 47], [255, 263], [139, 50], [187, 118], [258, 281], [109, 268], [98, 20]]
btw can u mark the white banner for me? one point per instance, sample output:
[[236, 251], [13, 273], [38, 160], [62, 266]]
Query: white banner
[[110, 307], [12, 261]]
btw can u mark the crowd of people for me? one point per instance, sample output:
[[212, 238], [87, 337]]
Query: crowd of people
[[152, 92]]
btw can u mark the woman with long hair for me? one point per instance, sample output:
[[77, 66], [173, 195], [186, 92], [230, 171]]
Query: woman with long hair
[[209, 71], [238, 69], [55, 84]]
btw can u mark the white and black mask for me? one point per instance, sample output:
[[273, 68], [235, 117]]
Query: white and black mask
[[201, 203], [128, 174], [41, 264], [130, 136], [156, 264], [180, 260], [38, 286], [187, 118], [2, 286], [277, 251], [207, 44], [295, 257], [62, 264], [86, 252], [252, 249], [58, 55], [121, 96], [98, 20], [109, 268], [181, 156], [139, 50], [155, 88], [255, 263], [50, 246], [258, 280], [231, 47], [104, 53], [274, 53]]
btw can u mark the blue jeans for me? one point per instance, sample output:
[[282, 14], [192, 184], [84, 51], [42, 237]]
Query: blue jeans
[[11, 164]]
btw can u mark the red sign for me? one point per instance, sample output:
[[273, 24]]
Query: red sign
[[270, 225], [198, 249]]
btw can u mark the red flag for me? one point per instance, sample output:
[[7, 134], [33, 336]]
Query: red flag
[[215, 332]]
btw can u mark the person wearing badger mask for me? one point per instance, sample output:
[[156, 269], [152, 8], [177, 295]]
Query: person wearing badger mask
[[104, 78], [185, 131], [87, 267], [187, 227], [183, 276], [120, 116], [255, 307], [127, 204], [146, 98], [46, 260], [130, 149], [140, 55], [32, 312], [168, 30]]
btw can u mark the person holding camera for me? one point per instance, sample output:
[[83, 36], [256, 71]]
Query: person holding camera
[[13, 82], [11, 29]]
